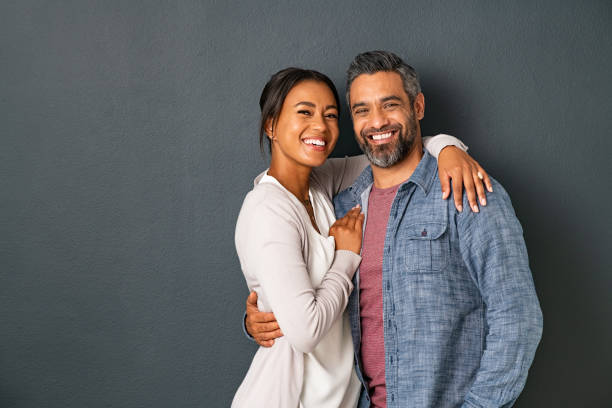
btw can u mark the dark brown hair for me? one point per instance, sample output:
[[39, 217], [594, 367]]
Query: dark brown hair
[[276, 90]]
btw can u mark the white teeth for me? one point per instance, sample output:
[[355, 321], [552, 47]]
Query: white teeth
[[382, 136], [315, 142]]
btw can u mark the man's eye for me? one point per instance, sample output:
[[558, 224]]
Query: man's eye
[[304, 112], [391, 105], [360, 111]]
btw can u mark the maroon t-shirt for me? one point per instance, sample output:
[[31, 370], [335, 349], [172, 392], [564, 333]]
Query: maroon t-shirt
[[370, 293]]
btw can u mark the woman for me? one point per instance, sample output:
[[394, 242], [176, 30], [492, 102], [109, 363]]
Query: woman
[[295, 255]]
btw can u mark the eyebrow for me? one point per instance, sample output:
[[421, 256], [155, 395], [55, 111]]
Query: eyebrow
[[312, 105], [390, 98], [382, 100]]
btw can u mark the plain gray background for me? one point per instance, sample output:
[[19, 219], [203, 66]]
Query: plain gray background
[[129, 139]]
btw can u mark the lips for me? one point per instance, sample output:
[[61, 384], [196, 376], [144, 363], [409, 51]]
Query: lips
[[315, 143], [381, 137]]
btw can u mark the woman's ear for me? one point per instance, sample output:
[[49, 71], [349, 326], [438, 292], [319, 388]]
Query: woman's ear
[[269, 128]]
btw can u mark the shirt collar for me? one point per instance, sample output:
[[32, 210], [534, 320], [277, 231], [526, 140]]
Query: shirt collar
[[423, 176], [425, 172]]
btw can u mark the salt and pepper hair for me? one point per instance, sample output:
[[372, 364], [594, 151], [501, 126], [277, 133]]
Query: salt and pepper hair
[[372, 62]]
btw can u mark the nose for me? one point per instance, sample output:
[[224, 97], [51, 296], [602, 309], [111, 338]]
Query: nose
[[319, 123], [378, 119]]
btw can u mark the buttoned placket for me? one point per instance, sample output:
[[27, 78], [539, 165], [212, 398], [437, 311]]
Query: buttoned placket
[[401, 200], [363, 201]]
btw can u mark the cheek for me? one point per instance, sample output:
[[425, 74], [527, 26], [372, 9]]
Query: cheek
[[295, 127], [334, 129], [358, 126]]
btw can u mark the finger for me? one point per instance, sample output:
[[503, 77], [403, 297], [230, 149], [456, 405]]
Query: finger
[[270, 335], [359, 222], [445, 182], [353, 212], [348, 218], [252, 299], [486, 179], [352, 219], [470, 190], [458, 193], [263, 317], [478, 183], [261, 328], [265, 343]]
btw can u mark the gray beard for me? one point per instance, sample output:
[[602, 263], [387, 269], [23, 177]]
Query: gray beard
[[387, 156]]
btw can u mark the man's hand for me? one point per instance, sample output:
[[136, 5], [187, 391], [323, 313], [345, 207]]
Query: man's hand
[[262, 326], [455, 164]]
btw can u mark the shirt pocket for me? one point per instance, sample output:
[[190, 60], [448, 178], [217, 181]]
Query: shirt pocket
[[427, 247]]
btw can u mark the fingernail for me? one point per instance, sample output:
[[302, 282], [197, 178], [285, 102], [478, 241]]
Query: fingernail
[[460, 208], [475, 208], [483, 201], [358, 206], [490, 188]]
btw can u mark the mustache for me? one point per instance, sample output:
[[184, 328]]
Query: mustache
[[388, 128]]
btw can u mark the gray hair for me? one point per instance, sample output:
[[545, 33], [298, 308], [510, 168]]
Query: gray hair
[[375, 61]]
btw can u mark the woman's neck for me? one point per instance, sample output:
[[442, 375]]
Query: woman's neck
[[293, 177]]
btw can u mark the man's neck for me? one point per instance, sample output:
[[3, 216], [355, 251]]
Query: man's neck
[[399, 172]]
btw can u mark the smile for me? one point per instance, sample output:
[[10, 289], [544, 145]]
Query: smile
[[380, 138], [315, 142]]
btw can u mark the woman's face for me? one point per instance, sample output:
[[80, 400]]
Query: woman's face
[[307, 128]]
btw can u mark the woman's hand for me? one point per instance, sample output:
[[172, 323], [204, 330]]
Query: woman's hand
[[347, 231], [455, 164]]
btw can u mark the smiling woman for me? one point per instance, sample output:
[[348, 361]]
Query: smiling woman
[[295, 255], [303, 135]]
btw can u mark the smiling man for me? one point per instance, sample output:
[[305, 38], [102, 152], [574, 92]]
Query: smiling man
[[444, 312]]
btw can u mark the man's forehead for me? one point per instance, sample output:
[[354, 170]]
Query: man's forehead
[[376, 86]]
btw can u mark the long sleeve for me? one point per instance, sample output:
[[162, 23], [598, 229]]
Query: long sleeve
[[270, 243], [494, 251], [435, 144], [337, 174]]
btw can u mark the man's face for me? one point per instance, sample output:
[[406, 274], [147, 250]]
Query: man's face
[[384, 120]]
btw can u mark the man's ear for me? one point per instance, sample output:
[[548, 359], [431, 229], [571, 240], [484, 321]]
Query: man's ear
[[419, 106]]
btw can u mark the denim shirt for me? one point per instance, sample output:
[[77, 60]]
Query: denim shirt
[[461, 316]]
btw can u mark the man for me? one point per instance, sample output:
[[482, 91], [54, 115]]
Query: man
[[444, 312]]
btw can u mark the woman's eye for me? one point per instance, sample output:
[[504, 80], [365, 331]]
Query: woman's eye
[[332, 116], [304, 112]]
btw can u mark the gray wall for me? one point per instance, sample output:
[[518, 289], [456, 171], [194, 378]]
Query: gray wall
[[129, 134]]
